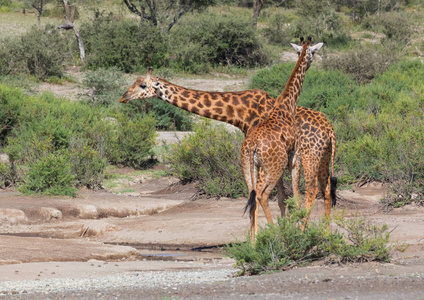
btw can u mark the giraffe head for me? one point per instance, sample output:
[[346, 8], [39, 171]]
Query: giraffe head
[[142, 88], [310, 50]]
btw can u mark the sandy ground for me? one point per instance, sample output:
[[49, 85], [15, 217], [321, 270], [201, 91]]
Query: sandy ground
[[163, 230]]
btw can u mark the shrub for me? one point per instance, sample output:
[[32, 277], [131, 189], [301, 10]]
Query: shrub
[[364, 64], [211, 156], [168, 117], [291, 242], [6, 176], [219, 40], [279, 30], [105, 85], [328, 29], [38, 52], [81, 135], [126, 44], [131, 140], [50, 175], [88, 162], [396, 27]]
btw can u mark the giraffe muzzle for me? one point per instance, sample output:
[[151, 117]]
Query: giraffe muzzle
[[125, 98]]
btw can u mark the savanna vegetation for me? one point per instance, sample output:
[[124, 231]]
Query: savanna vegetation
[[369, 84]]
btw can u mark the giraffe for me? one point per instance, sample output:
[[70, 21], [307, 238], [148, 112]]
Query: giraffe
[[245, 110], [268, 146]]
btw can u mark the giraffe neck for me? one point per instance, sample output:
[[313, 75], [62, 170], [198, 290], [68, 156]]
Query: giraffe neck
[[241, 109], [290, 96]]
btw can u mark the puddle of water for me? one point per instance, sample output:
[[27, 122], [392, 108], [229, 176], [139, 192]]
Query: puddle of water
[[179, 255]]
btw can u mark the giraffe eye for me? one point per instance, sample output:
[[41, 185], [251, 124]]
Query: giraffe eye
[[143, 85]]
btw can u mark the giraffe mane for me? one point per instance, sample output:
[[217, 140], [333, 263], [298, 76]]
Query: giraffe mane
[[286, 91]]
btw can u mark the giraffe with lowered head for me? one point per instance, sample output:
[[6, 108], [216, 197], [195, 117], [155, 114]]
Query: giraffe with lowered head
[[269, 145], [245, 110]]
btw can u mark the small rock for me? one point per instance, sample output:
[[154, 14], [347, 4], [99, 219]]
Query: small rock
[[12, 216]]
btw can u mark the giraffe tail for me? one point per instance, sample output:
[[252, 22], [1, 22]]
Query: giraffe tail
[[333, 179], [251, 202]]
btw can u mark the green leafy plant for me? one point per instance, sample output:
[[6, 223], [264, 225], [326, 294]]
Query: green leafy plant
[[131, 140], [51, 175], [39, 52], [129, 45], [211, 156], [292, 242], [105, 85]]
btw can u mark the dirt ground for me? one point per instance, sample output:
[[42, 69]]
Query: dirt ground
[[100, 233], [157, 227]]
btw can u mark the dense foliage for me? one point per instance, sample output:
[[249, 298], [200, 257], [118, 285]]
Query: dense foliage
[[54, 144], [212, 156], [39, 52], [125, 44]]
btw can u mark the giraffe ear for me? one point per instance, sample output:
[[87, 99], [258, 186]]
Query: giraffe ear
[[316, 47], [297, 47]]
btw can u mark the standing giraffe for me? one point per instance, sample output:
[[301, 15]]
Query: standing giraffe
[[268, 146], [245, 110]]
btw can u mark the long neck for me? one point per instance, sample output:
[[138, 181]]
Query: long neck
[[290, 96], [241, 109]]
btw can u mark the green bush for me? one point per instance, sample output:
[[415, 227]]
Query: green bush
[[105, 85], [168, 117], [51, 175], [216, 39], [6, 176], [328, 29], [131, 140], [211, 156], [364, 64], [279, 31], [38, 52], [83, 136], [291, 242], [88, 162], [126, 44]]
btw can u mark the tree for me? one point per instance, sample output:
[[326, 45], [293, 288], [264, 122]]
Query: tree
[[165, 12], [257, 7], [69, 24], [38, 5]]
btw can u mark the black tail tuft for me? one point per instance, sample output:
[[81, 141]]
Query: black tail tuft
[[333, 187], [251, 203]]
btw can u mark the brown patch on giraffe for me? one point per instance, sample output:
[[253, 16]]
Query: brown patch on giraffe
[[218, 110], [219, 104], [206, 101], [194, 110], [230, 111], [207, 113], [184, 106]]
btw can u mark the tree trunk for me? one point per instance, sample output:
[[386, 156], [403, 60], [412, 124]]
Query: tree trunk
[[69, 17], [257, 7]]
